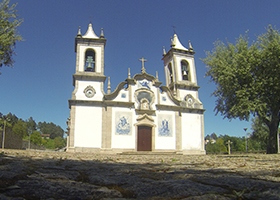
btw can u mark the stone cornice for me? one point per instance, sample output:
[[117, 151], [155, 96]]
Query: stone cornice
[[178, 51], [147, 112], [144, 76], [88, 41], [100, 103], [88, 76], [180, 109], [186, 85]]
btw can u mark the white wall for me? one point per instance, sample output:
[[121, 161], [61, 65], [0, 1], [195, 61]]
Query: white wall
[[88, 127], [80, 95], [191, 131]]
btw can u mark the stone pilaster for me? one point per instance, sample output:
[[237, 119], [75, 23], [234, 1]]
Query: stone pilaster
[[106, 127]]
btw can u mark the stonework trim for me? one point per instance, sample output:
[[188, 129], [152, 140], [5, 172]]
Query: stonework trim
[[100, 103], [178, 131], [88, 76], [106, 127], [179, 108]]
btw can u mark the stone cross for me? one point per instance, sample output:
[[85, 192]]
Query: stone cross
[[143, 68], [174, 29], [229, 143]]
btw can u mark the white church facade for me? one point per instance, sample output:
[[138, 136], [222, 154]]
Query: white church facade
[[141, 114]]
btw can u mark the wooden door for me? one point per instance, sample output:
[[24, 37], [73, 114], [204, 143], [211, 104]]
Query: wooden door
[[144, 139]]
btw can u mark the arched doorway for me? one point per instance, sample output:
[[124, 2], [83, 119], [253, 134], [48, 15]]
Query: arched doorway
[[144, 138]]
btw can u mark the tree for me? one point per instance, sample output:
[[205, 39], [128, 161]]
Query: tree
[[248, 80], [214, 136], [59, 142], [50, 128], [20, 128], [31, 124], [8, 33], [217, 147], [36, 138]]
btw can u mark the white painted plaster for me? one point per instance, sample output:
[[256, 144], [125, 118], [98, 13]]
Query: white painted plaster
[[191, 131], [80, 95], [88, 127]]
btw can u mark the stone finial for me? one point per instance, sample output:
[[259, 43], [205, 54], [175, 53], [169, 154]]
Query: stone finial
[[79, 32], [190, 46], [172, 42], [109, 86], [102, 34], [129, 76], [157, 75], [164, 52]]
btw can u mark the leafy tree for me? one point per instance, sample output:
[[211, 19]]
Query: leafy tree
[[20, 128], [12, 118], [31, 124], [248, 80], [8, 33], [207, 137], [218, 147], [59, 142], [6, 120], [260, 132], [214, 136], [50, 144], [50, 128], [36, 138]]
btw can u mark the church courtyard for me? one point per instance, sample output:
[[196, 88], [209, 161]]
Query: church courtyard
[[61, 175]]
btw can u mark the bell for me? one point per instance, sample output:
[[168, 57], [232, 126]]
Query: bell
[[89, 62], [89, 67]]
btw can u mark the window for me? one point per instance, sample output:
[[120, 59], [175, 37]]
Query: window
[[90, 60], [185, 70], [170, 73]]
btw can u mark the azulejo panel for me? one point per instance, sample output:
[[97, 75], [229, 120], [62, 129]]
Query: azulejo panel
[[165, 126], [123, 122]]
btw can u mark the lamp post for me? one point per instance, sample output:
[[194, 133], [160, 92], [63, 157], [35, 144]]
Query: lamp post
[[246, 142], [3, 135]]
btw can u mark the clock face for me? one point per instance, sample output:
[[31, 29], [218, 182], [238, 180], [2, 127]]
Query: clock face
[[89, 91], [190, 100]]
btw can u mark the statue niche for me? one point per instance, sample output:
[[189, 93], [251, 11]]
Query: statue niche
[[145, 98]]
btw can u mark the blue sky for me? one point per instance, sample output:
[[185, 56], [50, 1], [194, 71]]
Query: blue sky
[[40, 83]]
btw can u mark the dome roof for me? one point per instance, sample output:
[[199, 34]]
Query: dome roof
[[90, 33], [175, 43]]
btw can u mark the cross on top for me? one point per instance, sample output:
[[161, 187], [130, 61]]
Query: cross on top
[[174, 29], [143, 68]]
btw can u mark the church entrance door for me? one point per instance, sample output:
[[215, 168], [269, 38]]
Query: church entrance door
[[144, 139]]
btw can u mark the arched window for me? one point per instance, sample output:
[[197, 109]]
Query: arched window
[[170, 73], [90, 60], [185, 70]]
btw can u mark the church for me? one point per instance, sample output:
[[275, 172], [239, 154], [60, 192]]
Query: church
[[141, 115]]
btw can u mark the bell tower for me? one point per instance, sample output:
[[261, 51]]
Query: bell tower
[[179, 66], [90, 51], [89, 76]]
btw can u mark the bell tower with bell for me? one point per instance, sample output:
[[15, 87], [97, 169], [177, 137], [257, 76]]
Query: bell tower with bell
[[89, 76], [179, 66]]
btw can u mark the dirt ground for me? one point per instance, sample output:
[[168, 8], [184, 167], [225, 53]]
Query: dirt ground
[[61, 175]]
